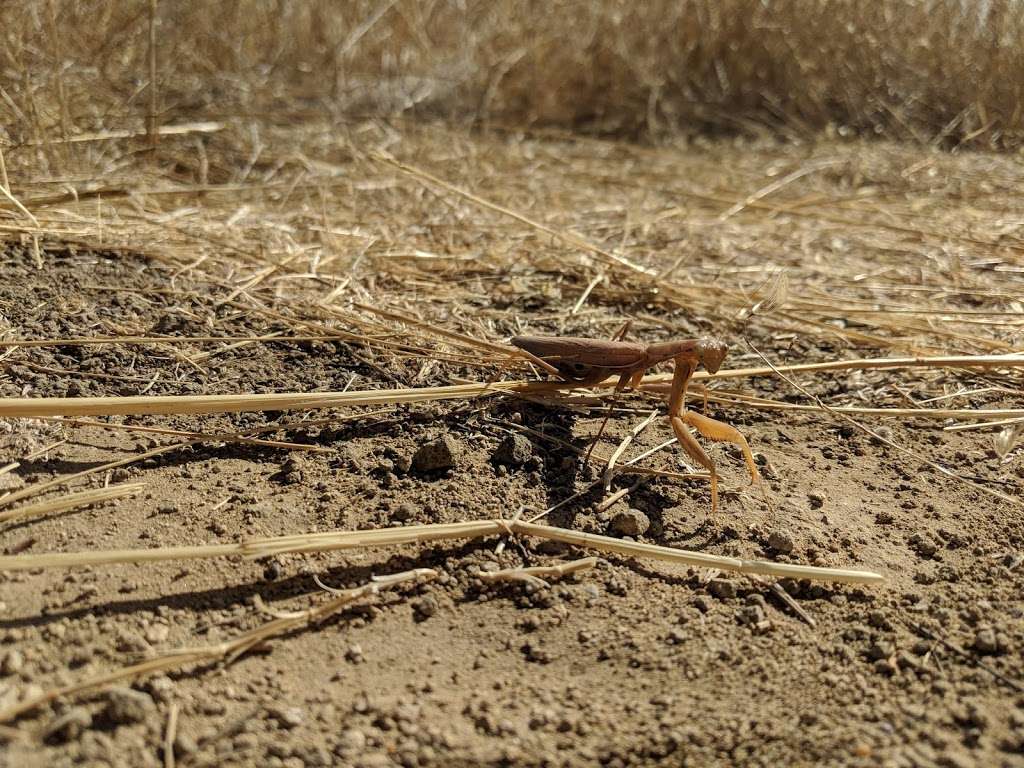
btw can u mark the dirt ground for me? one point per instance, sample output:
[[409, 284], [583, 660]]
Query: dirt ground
[[631, 663]]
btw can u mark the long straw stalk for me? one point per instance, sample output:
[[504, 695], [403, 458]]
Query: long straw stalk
[[343, 540]]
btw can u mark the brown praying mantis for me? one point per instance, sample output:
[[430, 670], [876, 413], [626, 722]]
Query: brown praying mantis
[[587, 362]]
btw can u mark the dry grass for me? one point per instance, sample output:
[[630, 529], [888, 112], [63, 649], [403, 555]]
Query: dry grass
[[302, 251], [933, 71], [71, 501], [67, 407], [344, 540]]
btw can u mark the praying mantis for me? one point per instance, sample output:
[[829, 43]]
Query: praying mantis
[[586, 362]]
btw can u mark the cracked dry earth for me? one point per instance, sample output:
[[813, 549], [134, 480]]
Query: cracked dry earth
[[632, 663]]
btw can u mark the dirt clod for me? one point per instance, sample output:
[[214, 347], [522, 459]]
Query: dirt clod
[[184, 744], [351, 742], [536, 653], [986, 641], [514, 450], [882, 649], [751, 614], [425, 607], [723, 589], [886, 666], [272, 571], [404, 512], [294, 469], [436, 456], [126, 706], [13, 662], [880, 620], [924, 545], [630, 522], [781, 541], [288, 717], [68, 726]]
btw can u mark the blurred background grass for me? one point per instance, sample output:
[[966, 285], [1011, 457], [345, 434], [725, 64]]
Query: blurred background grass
[[943, 72]]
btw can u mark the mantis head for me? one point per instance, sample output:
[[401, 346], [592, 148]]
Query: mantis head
[[712, 352]]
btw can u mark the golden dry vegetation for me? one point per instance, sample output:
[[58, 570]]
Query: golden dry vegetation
[[257, 257]]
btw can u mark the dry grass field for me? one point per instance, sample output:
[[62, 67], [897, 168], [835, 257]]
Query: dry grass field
[[276, 490]]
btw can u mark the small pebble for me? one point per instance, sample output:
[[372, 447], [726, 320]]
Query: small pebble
[[905, 660], [590, 593], [855, 633], [677, 637], [921, 647]]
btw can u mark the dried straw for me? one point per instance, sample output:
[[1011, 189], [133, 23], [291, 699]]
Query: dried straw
[[416, 534], [193, 404], [534, 574], [72, 501]]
